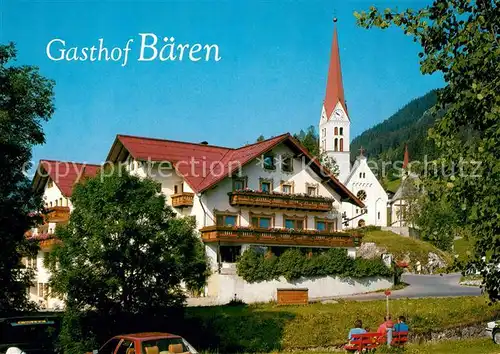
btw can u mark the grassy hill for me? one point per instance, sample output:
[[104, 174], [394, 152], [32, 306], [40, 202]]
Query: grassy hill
[[399, 246]]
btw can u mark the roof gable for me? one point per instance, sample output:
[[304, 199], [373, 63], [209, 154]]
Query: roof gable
[[203, 166], [64, 174]]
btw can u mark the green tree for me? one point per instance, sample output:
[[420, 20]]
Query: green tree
[[123, 251], [310, 140], [260, 138], [461, 40], [26, 101]]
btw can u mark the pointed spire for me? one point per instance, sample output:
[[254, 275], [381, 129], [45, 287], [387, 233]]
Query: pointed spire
[[406, 158], [334, 87]]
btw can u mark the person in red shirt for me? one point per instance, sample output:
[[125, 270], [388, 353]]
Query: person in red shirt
[[382, 329]]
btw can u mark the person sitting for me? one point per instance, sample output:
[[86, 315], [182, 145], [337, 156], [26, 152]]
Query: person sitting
[[358, 329], [401, 326], [382, 329]]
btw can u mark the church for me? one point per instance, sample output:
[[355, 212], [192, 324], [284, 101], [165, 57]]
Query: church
[[334, 139]]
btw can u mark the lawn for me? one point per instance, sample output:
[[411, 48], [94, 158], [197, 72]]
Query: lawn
[[469, 346], [463, 248], [399, 246], [392, 186], [268, 327]]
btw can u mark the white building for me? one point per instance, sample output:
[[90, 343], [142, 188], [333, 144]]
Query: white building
[[55, 179], [334, 130]]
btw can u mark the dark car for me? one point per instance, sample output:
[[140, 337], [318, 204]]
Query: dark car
[[35, 333]]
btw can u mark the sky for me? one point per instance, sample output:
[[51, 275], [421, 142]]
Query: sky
[[271, 78]]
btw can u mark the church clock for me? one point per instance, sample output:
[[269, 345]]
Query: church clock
[[361, 195], [338, 113]]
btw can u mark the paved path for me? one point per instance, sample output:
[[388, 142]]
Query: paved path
[[445, 285]]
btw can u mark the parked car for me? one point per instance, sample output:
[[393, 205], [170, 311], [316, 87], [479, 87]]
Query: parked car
[[29, 333], [146, 343], [493, 329]]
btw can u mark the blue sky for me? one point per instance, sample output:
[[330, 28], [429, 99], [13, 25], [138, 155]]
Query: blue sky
[[271, 78]]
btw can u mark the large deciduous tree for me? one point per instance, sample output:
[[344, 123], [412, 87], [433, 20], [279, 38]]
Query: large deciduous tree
[[123, 251], [460, 39], [26, 101]]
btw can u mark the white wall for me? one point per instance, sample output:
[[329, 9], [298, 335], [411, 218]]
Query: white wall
[[362, 178], [53, 194], [223, 288]]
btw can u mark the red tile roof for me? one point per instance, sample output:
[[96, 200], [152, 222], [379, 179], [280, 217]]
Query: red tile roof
[[334, 88], [203, 166], [64, 174]]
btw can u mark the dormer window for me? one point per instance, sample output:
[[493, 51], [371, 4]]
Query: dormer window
[[287, 163], [268, 161]]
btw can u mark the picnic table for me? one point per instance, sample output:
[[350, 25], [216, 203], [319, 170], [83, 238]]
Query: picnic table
[[371, 340]]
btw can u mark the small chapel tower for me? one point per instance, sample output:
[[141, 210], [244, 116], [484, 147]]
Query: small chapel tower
[[334, 124]]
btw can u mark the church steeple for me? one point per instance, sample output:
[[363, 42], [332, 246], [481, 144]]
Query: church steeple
[[406, 158], [334, 87]]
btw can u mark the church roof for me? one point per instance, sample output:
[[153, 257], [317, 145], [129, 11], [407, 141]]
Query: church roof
[[334, 86], [203, 166], [64, 174]]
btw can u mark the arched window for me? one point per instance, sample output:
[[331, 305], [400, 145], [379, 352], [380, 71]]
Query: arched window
[[341, 131], [336, 145], [336, 131], [360, 175], [341, 144]]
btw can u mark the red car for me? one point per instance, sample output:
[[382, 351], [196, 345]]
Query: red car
[[147, 343]]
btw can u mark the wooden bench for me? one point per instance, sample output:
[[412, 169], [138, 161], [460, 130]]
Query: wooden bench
[[369, 341], [292, 296]]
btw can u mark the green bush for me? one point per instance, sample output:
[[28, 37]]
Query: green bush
[[293, 264]]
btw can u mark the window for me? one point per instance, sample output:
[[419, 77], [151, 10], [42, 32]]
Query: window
[[312, 191], [176, 189], [360, 175], [31, 263], [378, 215], [266, 186], [50, 204], [50, 183], [60, 202], [43, 290], [336, 131], [323, 132], [226, 220], [297, 223], [287, 164], [262, 222], [336, 145], [286, 188], [323, 144], [124, 346], [341, 144], [341, 131], [229, 254], [56, 202], [239, 184], [364, 175], [109, 347], [269, 161], [326, 225]]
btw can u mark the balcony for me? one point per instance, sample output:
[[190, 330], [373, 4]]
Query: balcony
[[279, 236], [280, 200], [45, 240], [58, 214], [182, 200]]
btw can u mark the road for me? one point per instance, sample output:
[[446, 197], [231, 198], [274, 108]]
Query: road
[[421, 286]]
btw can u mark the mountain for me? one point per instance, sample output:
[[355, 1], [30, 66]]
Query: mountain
[[409, 125]]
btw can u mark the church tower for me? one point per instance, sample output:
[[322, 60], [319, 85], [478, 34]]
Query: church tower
[[334, 124]]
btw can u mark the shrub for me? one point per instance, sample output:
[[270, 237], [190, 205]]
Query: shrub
[[293, 264]]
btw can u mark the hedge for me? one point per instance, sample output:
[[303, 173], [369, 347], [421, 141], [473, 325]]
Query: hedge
[[254, 266]]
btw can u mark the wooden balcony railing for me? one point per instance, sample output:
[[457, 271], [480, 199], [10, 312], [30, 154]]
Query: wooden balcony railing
[[182, 200], [280, 200], [57, 214], [279, 236]]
